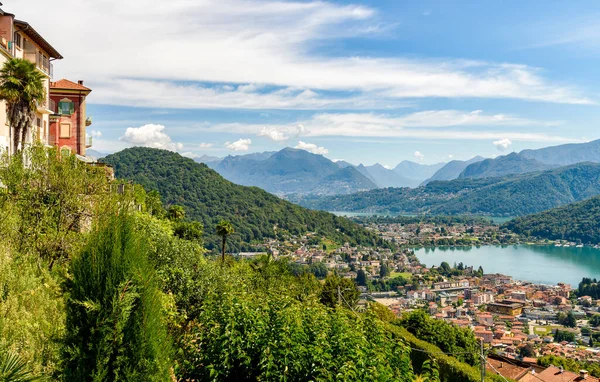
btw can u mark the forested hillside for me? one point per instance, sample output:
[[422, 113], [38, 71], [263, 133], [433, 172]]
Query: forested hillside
[[573, 222], [209, 198], [502, 196]]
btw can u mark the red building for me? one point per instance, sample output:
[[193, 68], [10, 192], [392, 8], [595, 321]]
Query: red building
[[69, 122]]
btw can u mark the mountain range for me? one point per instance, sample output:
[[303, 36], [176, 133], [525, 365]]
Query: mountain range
[[293, 171], [514, 195], [534, 160]]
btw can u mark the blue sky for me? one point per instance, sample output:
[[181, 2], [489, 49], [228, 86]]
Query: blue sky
[[368, 81]]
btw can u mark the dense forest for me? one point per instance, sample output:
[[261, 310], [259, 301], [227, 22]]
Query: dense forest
[[578, 222], [96, 285], [515, 195], [209, 198]]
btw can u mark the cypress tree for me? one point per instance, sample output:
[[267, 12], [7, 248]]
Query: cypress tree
[[115, 320]]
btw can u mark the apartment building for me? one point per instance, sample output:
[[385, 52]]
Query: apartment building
[[69, 123], [19, 39]]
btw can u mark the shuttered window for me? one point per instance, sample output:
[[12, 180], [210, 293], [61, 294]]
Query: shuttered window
[[66, 107]]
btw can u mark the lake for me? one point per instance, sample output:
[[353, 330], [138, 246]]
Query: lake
[[544, 264]]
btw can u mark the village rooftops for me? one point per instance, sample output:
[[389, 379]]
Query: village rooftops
[[65, 84]]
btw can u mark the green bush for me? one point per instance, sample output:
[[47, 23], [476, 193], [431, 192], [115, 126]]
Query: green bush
[[115, 318], [261, 331]]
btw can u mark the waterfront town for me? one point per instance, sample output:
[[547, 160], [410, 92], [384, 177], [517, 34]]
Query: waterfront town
[[518, 322]]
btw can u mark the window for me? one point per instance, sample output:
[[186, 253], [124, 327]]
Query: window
[[38, 125], [66, 107], [17, 40], [65, 130]]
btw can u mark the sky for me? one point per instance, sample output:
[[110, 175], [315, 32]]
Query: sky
[[366, 81]]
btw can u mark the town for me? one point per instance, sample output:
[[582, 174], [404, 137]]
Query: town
[[520, 323]]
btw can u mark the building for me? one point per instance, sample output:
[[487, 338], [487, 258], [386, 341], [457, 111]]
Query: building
[[555, 374], [69, 122], [505, 307], [19, 39]]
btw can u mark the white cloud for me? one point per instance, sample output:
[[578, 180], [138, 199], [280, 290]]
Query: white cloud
[[204, 145], [311, 147], [150, 136], [388, 166], [418, 155], [96, 133], [450, 156], [251, 43], [433, 124], [274, 133], [502, 144], [189, 155], [239, 145]]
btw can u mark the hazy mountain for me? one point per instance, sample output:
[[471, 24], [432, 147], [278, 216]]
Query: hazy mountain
[[384, 177], [343, 163], [452, 169], [510, 164], [293, 171], [416, 171], [502, 196], [94, 154], [535, 160], [208, 159], [566, 154], [363, 170]]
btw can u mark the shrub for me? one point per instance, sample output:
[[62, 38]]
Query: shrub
[[115, 318]]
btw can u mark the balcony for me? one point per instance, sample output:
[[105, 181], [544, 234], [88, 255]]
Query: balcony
[[88, 141], [40, 60], [44, 64], [47, 106]]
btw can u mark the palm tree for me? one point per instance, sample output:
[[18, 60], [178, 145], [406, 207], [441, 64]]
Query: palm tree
[[224, 229], [14, 369], [22, 87]]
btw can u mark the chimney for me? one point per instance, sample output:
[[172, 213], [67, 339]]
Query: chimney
[[80, 82], [583, 374]]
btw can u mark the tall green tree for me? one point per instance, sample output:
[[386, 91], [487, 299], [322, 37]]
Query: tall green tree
[[116, 329], [224, 229], [22, 87]]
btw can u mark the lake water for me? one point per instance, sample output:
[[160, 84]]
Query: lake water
[[545, 264]]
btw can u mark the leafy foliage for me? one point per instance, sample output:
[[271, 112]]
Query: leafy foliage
[[570, 364], [446, 336], [208, 198], [262, 323]]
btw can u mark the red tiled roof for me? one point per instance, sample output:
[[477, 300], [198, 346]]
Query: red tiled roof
[[69, 85]]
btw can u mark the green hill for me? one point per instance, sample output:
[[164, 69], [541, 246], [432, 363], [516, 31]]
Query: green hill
[[503, 196], [209, 198], [573, 222]]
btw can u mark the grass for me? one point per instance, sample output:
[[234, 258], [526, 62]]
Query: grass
[[330, 244], [542, 330], [405, 275]]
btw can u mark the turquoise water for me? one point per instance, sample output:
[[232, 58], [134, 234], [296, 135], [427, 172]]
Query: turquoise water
[[545, 264]]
